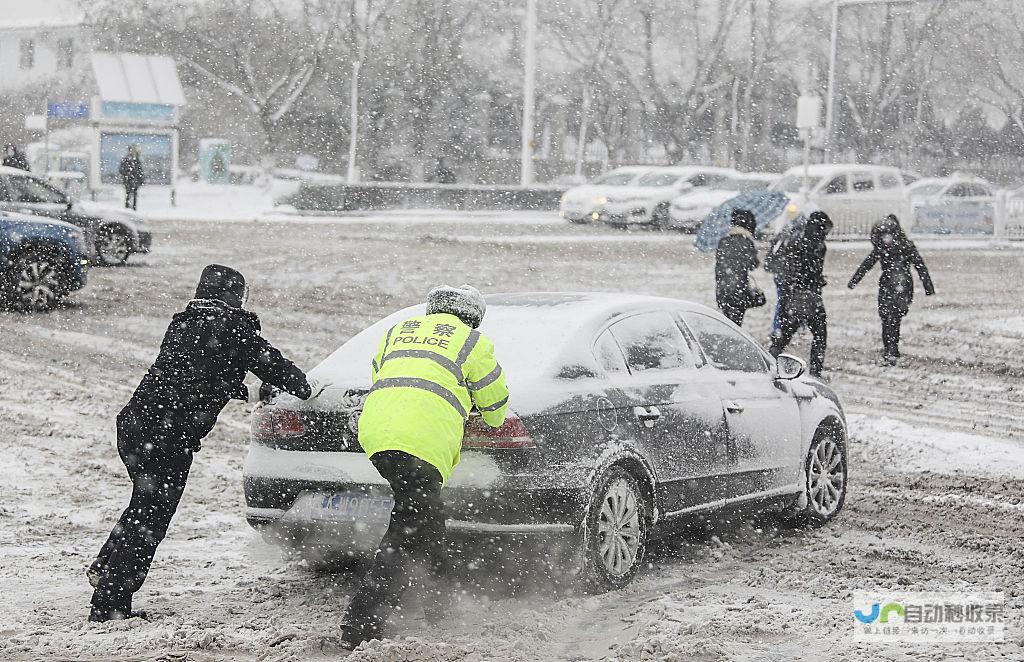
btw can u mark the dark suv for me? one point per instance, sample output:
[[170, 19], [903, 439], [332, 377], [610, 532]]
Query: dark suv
[[113, 234], [41, 261]]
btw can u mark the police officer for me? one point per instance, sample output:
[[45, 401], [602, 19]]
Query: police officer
[[205, 354], [429, 372]]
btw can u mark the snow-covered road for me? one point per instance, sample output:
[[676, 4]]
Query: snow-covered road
[[937, 454]]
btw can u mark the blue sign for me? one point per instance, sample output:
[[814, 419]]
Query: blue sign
[[144, 112], [67, 110]]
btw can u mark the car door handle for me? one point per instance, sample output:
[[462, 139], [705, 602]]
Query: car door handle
[[734, 407], [647, 415]]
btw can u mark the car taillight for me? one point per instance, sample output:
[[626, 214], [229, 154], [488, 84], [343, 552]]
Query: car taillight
[[276, 423], [512, 434], [288, 424]]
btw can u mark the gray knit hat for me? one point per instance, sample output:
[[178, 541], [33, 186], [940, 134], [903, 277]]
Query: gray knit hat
[[465, 302]]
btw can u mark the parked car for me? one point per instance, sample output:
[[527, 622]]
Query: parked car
[[688, 210], [853, 195], [629, 415], [960, 204], [41, 261], [578, 202], [646, 200], [113, 233]]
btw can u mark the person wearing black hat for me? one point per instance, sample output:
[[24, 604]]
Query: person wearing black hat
[[735, 258], [897, 253], [208, 349], [802, 280]]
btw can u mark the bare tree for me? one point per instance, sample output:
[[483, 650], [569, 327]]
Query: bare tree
[[364, 20], [261, 52]]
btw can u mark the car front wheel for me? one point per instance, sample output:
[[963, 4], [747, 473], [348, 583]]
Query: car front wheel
[[825, 480], [35, 281], [113, 246], [616, 530]]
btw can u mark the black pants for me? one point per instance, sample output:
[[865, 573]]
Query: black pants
[[817, 323], [416, 533], [131, 198], [157, 485], [891, 334]]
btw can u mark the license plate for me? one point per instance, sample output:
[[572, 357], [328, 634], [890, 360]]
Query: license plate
[[351, 507]]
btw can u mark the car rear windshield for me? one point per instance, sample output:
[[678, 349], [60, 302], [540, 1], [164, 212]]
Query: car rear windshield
[[795, 183]]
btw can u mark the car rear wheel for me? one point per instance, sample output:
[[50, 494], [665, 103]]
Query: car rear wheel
[[113, 246], [615, 539], [35, 281], [825, 480]]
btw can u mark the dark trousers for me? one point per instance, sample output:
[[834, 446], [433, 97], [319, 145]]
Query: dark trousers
[[891, 335], [131, 198], [816, 322], [416, 533], [734, 313], [157, 485]]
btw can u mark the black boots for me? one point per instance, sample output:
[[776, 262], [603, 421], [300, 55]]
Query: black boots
[[102, 614]]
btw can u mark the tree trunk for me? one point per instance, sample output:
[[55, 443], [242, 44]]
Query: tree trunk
[[581, 138]]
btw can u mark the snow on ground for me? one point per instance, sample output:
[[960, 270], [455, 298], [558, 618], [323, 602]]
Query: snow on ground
[[936, 455]]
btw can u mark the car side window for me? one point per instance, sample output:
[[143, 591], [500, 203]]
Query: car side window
[[978, 191], [958, 191], [652, 341], [608, 354], [862, 183], [888, 180], [724, 347], [836, 185], [27, 189], [699, 180]]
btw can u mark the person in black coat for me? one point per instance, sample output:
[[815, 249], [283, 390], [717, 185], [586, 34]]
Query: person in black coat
[[801, 273], [735, 258], [204, 357], [133, 176], [15, 158], [897, 253]]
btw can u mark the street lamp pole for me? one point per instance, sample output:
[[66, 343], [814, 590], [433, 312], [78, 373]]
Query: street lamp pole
[[529, 93]]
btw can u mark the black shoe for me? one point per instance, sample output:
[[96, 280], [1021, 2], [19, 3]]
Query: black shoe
[[351, 637], [104, 614]]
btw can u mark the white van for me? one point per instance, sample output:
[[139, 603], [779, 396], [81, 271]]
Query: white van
[[853, 195]]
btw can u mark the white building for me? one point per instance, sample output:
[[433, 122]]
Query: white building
[[41, 40]]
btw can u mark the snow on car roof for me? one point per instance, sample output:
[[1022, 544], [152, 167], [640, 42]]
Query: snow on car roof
[[826, 169], [538, 333]]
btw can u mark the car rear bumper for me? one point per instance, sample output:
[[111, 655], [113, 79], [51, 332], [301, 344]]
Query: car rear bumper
[[479, 497]]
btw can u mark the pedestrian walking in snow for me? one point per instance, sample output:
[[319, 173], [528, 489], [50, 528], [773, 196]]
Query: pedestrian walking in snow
[[735, 258], [133, 176], [428, 373], [15, 158], [204, 357], [897, 254], [801, 281]]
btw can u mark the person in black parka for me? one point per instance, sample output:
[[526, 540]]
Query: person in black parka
[[735, 258], [133, 176], [15, 158], [205, 355], [897, 253], [802, 279]]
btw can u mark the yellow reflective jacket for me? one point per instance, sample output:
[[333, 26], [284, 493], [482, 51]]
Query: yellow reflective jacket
[[429, 372]]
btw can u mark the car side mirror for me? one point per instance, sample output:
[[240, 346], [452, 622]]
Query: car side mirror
[[788, 367]]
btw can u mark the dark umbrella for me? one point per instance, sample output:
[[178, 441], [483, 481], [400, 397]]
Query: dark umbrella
[[764, 205]]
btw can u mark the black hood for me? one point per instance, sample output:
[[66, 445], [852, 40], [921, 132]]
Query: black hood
[[745, 219], [223, 284], [890, 225]]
